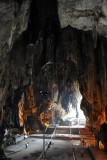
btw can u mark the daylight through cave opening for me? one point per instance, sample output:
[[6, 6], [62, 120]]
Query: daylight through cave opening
[[47, 111], [74, 111]]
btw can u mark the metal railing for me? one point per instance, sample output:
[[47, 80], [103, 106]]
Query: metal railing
[[74, 154], [47, 145]]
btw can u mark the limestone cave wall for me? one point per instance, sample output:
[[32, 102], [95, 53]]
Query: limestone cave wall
[[45, 44]]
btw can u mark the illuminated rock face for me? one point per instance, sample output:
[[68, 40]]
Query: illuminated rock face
[[84, 15], [36, 50], [93, 81], [31, 116]]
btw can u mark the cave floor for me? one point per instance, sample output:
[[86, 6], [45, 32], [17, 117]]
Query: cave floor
[[59, 149], [61, 145]]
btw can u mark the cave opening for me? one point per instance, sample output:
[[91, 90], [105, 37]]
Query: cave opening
[[75, 113], [48, 112]]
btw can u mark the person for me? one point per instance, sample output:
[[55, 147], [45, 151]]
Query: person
[[26, 144], [81, 152]]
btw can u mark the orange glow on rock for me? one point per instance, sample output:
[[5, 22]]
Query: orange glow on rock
[[30, 101], [21, 108], [101, 146], [44, 118], [29, 108]]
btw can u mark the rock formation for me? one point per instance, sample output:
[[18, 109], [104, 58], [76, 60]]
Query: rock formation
[[58, 47]]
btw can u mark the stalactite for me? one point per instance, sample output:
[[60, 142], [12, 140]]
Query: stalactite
[[94, 32], [97, 14]]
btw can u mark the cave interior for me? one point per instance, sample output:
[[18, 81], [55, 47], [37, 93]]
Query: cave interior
[[53, 66]]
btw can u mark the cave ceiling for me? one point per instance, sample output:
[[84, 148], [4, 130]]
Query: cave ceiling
[[58, 47], [84, 15]]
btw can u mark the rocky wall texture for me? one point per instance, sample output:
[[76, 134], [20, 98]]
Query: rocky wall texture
[[13, 19], [84, 15], [58, 47]]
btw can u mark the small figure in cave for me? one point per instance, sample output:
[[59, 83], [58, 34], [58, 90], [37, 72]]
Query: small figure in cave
[[26, 144], [81, 152]]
